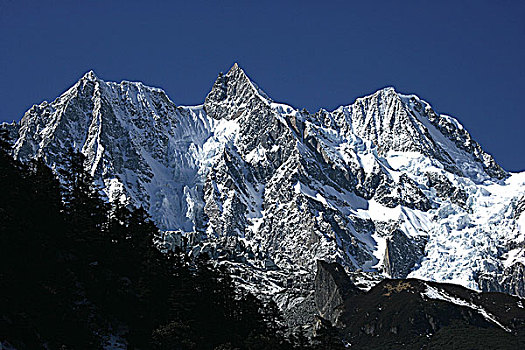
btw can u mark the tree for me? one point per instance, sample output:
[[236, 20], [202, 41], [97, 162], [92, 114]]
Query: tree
[[86, 211]]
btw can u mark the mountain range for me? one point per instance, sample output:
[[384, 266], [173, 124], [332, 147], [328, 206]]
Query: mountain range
[[385, 187]]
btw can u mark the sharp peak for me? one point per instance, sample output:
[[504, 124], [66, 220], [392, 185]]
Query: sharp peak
[[391, 90], [388, 92], [90, 76], [388, 88], [380, 93], [235, 67], [237, 70], [236, 73]]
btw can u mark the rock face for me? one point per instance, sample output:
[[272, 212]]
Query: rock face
[[446, 190], [139, 146], [384, 186], [401, 254], [332, 287], [511, 281]]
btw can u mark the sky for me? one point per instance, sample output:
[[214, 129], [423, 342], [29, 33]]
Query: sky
[[466, 58]]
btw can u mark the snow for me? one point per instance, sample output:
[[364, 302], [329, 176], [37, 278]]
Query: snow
[[258, 154], [114, 190], [367, 161], [300, 188], [462, 243], [379, 252], [283, 109], [465, 161], [437, 294], [379, 212]]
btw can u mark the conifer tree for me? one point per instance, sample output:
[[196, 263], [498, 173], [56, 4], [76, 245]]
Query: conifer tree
[[87, 212]]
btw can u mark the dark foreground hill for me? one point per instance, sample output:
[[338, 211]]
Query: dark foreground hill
[[415, 314]]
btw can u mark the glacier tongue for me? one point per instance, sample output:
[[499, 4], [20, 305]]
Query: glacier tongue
[[384, 186]]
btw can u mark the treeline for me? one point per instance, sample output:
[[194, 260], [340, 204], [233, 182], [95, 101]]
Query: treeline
[[78, 273]]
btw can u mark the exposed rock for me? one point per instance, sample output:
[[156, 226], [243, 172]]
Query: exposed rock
[[402, 253], [511, 281], [446, 190], [520, 208], [462, 139], [332, 287], [405, 192]]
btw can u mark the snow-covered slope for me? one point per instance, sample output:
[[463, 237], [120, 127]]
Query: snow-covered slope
[[384, 186], [138, 144]]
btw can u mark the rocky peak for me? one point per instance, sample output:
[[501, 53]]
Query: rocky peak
[[232, 93], [84, 87], [404, 123], [89, 76], [385, 94], [385, 120]]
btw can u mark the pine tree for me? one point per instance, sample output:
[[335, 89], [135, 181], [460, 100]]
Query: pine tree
[[86, 211]]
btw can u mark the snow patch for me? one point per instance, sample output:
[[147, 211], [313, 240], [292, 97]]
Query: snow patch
[[437, 294]]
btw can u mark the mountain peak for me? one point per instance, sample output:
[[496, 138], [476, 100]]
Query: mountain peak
[[232, 89], [235, 67], [388, 89], [90, 76], [237, 73], [386, 92]]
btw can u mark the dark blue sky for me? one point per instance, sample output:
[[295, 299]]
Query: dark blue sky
[[467, 58]]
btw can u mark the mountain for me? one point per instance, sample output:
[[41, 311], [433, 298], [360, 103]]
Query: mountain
[[385, 186]]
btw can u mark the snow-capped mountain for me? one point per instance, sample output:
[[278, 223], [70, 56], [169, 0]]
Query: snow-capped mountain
[[384, 186]]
